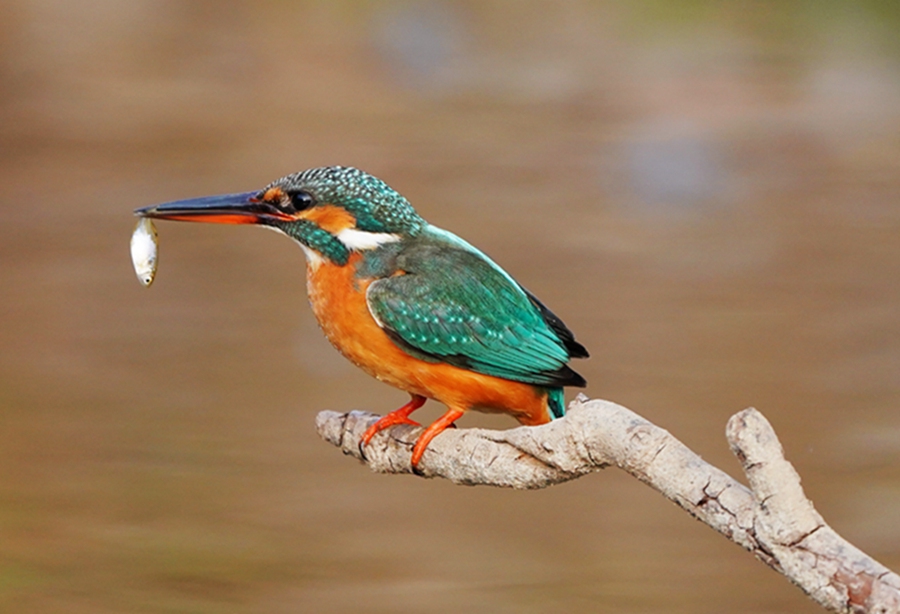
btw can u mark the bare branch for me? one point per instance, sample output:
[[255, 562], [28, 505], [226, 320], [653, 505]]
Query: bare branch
[[773, 519]]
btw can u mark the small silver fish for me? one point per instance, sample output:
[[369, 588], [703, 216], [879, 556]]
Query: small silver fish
[[145, 250]]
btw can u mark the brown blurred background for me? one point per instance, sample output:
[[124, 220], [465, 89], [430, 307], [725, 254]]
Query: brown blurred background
[[707, 193]]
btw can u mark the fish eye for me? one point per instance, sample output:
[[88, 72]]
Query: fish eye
[[301, 200]]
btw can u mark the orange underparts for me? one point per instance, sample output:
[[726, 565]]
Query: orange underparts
[[338, 299]]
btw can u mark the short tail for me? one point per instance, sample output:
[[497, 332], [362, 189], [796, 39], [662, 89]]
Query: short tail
[[556, 402]]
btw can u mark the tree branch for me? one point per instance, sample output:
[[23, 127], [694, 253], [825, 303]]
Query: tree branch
[[773, 519]]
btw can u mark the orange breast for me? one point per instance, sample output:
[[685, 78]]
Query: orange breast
[[338, 300]]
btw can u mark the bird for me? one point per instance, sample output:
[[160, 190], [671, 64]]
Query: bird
[[411, 304]]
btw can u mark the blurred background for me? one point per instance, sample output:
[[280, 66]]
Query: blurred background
[[707, 193]]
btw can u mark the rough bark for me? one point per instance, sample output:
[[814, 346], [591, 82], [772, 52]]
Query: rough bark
[[772, 519]]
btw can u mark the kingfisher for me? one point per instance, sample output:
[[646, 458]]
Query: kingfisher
[[410, 304]]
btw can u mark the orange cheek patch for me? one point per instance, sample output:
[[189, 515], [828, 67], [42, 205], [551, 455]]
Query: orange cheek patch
[[330, 218]]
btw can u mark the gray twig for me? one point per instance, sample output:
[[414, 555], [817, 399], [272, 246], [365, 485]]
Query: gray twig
[[773, 519]]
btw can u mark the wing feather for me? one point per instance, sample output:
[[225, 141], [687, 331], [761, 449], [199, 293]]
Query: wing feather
[[454, 305]]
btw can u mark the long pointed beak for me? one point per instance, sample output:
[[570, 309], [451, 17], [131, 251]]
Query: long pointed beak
[[242, 208]]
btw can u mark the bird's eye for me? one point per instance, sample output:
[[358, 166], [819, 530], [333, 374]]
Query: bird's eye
[[301, 200]]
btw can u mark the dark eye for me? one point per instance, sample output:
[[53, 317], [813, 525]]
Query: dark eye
[[301, 200]]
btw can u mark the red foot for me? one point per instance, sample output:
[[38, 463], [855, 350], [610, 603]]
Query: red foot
[[431, 432], [399, 416]]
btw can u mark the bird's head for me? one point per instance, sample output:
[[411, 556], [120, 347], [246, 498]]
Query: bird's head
[[332, 211]]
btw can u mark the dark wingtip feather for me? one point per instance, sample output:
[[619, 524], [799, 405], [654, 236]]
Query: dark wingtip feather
[[575, 349], [566, 376]]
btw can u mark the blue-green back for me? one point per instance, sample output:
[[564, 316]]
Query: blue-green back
[[451, 303]]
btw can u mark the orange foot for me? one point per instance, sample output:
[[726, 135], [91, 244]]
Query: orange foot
[[398, 416], [433, 430]]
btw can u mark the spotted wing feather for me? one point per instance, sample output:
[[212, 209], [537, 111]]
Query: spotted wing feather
[[455, 306]]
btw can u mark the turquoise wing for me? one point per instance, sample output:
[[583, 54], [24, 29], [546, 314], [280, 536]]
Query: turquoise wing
[[453, 305]]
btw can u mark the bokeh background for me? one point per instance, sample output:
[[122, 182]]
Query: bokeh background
[[707, 193]]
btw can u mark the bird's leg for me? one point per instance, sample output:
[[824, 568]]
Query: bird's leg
[[433, 430], [398, 416]]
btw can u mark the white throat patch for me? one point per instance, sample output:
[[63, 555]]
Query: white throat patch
[[352, 239], [361, 240]]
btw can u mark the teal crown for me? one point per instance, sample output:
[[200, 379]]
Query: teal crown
[[376, 206]]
